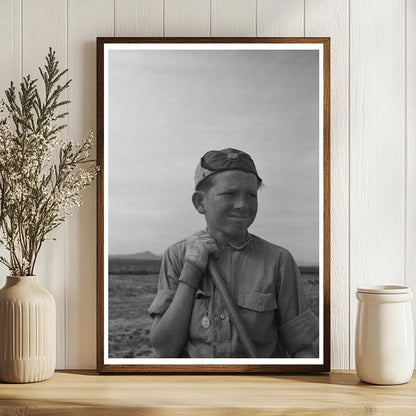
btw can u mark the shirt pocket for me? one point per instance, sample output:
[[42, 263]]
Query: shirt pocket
[[258, 311], [257, 301]]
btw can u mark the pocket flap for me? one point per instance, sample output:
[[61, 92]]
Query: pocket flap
[[260, 302]]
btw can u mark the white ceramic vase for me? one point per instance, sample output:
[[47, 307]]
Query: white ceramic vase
[[384, 341], [27, 331]]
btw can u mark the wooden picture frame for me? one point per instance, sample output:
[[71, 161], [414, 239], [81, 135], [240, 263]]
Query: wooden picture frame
[[147, 114]]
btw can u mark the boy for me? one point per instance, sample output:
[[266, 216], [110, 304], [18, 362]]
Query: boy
[[190, 319]]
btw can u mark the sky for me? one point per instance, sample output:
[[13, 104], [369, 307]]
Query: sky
[[167, 108]]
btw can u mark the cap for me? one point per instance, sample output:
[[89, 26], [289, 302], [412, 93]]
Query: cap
[[216, 161]]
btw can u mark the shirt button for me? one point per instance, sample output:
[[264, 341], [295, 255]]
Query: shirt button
[[222, 316]]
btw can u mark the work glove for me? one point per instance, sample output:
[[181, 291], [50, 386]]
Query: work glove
[[198, 248]]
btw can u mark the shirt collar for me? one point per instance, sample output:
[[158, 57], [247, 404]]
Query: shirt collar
[[234, 246], [240, 246]]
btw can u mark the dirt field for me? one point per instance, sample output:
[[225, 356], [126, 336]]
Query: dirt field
[[130, 295]]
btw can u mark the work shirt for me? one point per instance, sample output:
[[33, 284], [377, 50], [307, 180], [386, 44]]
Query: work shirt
[[265, 283]]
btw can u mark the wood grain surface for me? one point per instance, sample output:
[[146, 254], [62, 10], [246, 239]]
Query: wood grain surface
[[330, 18], [84, 392], [233, 18], [377, 149], [85, 19], [280, 18], [138, 17], [51, 265], [410, 262]]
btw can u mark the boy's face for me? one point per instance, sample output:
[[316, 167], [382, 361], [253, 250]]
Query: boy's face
[[230, 204]]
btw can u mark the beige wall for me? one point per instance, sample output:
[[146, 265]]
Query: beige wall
[[373, 128]]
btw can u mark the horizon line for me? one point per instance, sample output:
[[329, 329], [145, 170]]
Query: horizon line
[[300, 264]]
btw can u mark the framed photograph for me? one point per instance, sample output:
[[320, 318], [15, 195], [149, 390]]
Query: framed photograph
[[213, 202]]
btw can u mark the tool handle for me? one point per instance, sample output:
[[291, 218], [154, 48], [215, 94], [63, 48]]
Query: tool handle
[[232, 308]]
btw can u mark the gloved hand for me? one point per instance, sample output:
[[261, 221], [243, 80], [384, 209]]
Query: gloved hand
[[198, 248]]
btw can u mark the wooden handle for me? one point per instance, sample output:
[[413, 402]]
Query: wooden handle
[[232, 309]]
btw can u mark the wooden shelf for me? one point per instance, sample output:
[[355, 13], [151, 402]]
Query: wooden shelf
[[85, 393]]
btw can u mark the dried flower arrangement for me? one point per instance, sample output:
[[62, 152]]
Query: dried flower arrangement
[[42, 176]]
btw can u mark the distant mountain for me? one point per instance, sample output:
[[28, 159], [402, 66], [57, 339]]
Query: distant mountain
[[145, 255], [309, 269]]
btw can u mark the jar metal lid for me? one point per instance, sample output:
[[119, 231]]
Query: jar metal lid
[[384, 289]]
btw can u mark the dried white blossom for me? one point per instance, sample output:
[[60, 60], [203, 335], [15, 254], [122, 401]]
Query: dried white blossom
[[42, 176]]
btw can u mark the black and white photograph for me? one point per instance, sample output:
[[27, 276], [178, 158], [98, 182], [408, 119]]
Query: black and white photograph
[[212, 242]]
